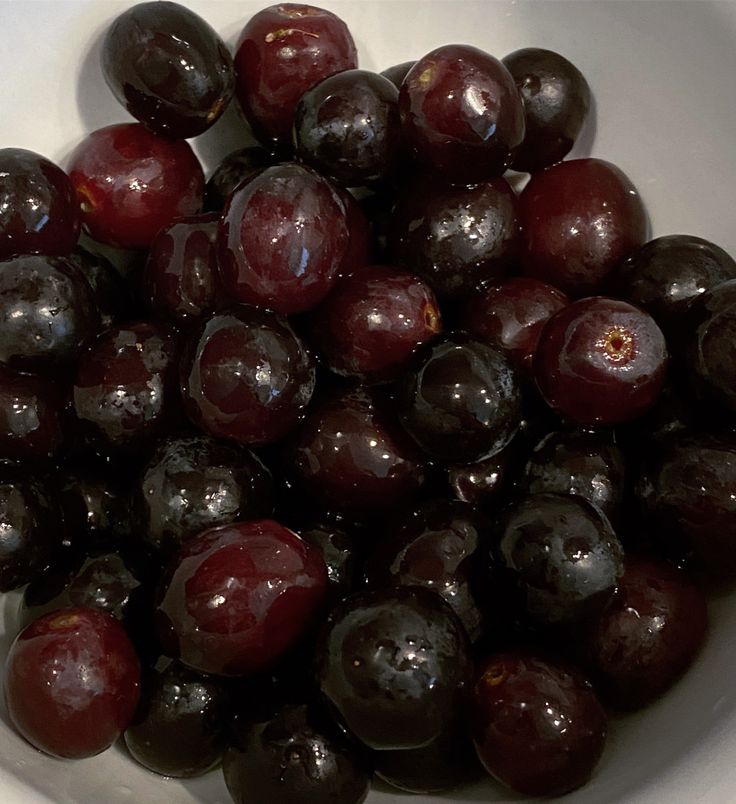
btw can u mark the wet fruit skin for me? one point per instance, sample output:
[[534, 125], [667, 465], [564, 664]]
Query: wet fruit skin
[[398, 72], [32, 416], [482, 482], [456, 239], [579, 220], [512, 315], [239, 596], [180, 728], [32, 336], [556, 104], [181, 275], [440, 545], [371, 323], [30, 530], [235, 168], [110, 290], [460, 399], [38, 206], [687, 494], [169, 68], [600, 361], [131, 183], [352, 456], [193, 483], [587, 464], [377, 656], [72, 683], [341, 553], [707, 336], [282, 239], [667, 274], [283, 51], [562, 556], [538, 727], [347, 127], [245, 375], [464, 142], [648, 634], [294, 756], [125, 387]]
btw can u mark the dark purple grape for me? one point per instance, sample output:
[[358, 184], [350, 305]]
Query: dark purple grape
[[462, 140], [648, 634], [245, 375], [460, 400], [483, 482], [352, 456], [181, 726], [665, 275], [442, 546], [562, 556], [398, 72], [456, 238], [587, 464], [394, 665], [526, 707], [193, 483], [169, 68], [341, 553], [347, 127], [556, 103], [31, 532], [111, 293], [294, 756], [39, 213], [47, 312], [234, 169]]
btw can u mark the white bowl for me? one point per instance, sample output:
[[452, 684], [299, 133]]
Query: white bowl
[[662, 74]]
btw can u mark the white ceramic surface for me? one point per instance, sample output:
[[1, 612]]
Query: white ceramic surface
[[663, 74]]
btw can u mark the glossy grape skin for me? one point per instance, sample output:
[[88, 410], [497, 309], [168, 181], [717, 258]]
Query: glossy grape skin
[[341, 553], [686, 489], [180, 727], [125, 386], [109, 288], [707, 335], [600, 361], [480, 483], [131, 183], [525, 708], [169, 68], [512, 316], [339, 456], [38, 206], [579, 220], [239, 596], [283, 51], [460, 399], [347, 127], [556, 104], [47, 312], [398, 72], [371, 323], [294, 756], [180, 274], [587, 464], [30, 530], [287, 254], [456, 238], [245, 375], [192, 483], [562, 555], [668, 273], [448, 762], [648, 634], [234, 169], [440, 545], [72, 683], [32, 416], [462, 141], [376, 655]]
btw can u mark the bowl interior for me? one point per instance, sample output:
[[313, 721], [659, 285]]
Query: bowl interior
[[662, 75]]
